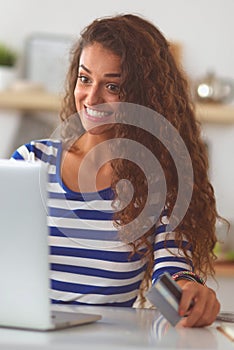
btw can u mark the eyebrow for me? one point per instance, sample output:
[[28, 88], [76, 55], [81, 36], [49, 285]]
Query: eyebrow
[[109, 75]]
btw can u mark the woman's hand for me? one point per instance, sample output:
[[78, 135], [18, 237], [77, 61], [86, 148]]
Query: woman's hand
[[205, 304]]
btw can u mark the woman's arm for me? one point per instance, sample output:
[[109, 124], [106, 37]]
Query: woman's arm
[[206, 306]]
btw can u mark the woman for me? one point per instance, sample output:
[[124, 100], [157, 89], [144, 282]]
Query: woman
[[117, 61]]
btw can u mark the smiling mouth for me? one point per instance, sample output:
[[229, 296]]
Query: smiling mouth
[[97, 115]]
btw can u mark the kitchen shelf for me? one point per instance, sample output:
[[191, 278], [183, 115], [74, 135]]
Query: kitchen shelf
[[215, 113], [44, 101], [224, 268], [29, 101]]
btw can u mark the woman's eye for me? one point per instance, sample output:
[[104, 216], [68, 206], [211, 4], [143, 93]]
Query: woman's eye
[[83, 79], [113, 88]]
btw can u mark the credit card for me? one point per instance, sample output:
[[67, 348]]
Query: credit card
[[165, 294]]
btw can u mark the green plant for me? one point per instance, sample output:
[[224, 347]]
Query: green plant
[[7, 56]]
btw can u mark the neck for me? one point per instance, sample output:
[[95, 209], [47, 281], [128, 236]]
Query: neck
[[87, 142]]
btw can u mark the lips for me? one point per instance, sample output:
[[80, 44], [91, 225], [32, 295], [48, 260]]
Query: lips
[[97, 115]]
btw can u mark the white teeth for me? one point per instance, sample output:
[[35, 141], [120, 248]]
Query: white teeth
[[96, 114]]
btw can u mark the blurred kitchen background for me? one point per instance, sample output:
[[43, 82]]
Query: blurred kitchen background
[[42, 32]]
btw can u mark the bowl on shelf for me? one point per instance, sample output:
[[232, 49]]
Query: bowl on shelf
[[211, 88]]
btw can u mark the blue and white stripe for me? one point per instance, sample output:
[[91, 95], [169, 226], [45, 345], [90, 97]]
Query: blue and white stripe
[[89, 264]]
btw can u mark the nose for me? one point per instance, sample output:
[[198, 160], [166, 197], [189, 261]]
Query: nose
[[94, 96]]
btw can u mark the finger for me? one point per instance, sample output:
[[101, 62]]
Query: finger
[[190, 292], [196, 313], [212, 308], [207, 313]]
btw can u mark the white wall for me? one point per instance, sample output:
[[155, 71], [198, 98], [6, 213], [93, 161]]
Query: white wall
[[205, 28], [220, 141]]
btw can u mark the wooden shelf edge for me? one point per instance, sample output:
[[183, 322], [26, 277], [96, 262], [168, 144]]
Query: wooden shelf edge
[[224, 268], [29, 101], [214, 113], [45, 101]]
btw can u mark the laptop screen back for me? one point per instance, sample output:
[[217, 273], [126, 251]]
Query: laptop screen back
[[24, 282]]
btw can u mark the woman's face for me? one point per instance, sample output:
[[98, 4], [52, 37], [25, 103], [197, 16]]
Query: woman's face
[[97, 88]]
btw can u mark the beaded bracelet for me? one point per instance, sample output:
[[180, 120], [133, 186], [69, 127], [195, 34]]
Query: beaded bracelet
[[188, 275]]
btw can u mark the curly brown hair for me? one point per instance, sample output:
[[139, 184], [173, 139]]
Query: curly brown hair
[[151, 77]]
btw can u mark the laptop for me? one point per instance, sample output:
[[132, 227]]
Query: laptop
[[24, 251]]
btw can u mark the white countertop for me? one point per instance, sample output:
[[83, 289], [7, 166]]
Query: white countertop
[[119, 328]]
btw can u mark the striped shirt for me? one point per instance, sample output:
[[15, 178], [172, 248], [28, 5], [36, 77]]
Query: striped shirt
[[89, 263]]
